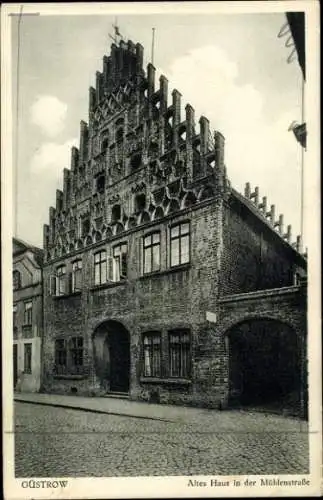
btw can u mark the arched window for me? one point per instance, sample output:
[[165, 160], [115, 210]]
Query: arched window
[[16, 278]]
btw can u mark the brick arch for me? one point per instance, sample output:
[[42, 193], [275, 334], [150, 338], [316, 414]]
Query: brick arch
[[264, 362], [230, 324]]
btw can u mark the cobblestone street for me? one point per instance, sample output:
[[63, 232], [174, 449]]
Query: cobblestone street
[[59, 442]]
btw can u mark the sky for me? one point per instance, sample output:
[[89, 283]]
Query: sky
[[232, 68]]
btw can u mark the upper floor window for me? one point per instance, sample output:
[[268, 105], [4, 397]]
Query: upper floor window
[[180, 244], [152, 355], [120, 262], [140, 202], [100, 183], [16, 278], [77, 276], [152, 252], [115, 213], [28, 312], [100, 267], [119, 142], [14, 315], [85, 226], [179, 353], [27, 358], [104, 144], [135, 161], [61, 280]]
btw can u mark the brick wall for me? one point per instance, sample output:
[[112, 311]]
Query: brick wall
[[163, 301], [254, 257]]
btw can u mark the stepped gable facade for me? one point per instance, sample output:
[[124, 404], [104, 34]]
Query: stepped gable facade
[[146, 238]]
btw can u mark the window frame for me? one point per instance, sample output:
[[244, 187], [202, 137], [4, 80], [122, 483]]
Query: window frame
[[102, 264], [151, 350], [75, 352], [182, 352], [28, 357], [179, 238], [14, 315], [79, 270], [16, 277], [61, 280], [66, 352], [28, 313], [118, 274], [150, 246]]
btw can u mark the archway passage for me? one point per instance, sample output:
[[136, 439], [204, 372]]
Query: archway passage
[[112, 356], [264, 365]]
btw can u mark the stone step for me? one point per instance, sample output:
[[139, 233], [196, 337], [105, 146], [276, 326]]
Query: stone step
[[118, 395]]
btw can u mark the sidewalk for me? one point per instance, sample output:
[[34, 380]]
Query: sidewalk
[[206, 419]]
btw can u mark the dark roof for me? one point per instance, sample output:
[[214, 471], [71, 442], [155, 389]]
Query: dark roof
[[255, 212], [23, 246]]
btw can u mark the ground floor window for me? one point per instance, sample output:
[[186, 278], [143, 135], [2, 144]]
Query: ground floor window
[[152, 355], [179, 353], [27, 358], [69, 356]]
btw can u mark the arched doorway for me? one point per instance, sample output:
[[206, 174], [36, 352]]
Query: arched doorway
[[111, 342], [264, 365]]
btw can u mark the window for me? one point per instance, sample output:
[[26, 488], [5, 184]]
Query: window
[[69, 356], [180, 244], [152, 357], [140, 202], [135, 161], [100, 267], [179, 353], [76, 276], [104, 144], [120, 262], [85, 227], [61, 280], [152, 252], [14, 315], [16, 278], [115, 213], [100, 183], [60, 356], [27, 358], [28, 313], [119, 141], [76, 354]]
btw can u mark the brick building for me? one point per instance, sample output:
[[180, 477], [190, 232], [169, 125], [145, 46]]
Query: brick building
[[27, 316], [160, 280]]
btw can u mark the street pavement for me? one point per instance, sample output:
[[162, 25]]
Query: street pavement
[[53, 441]]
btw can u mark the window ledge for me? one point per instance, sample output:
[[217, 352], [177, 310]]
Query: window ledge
[[110, 284], [181, 267], [67, 295], [70, 377], [160, 380]]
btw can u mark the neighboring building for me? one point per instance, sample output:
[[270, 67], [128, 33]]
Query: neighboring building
[[27, 316], [160, 280]]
